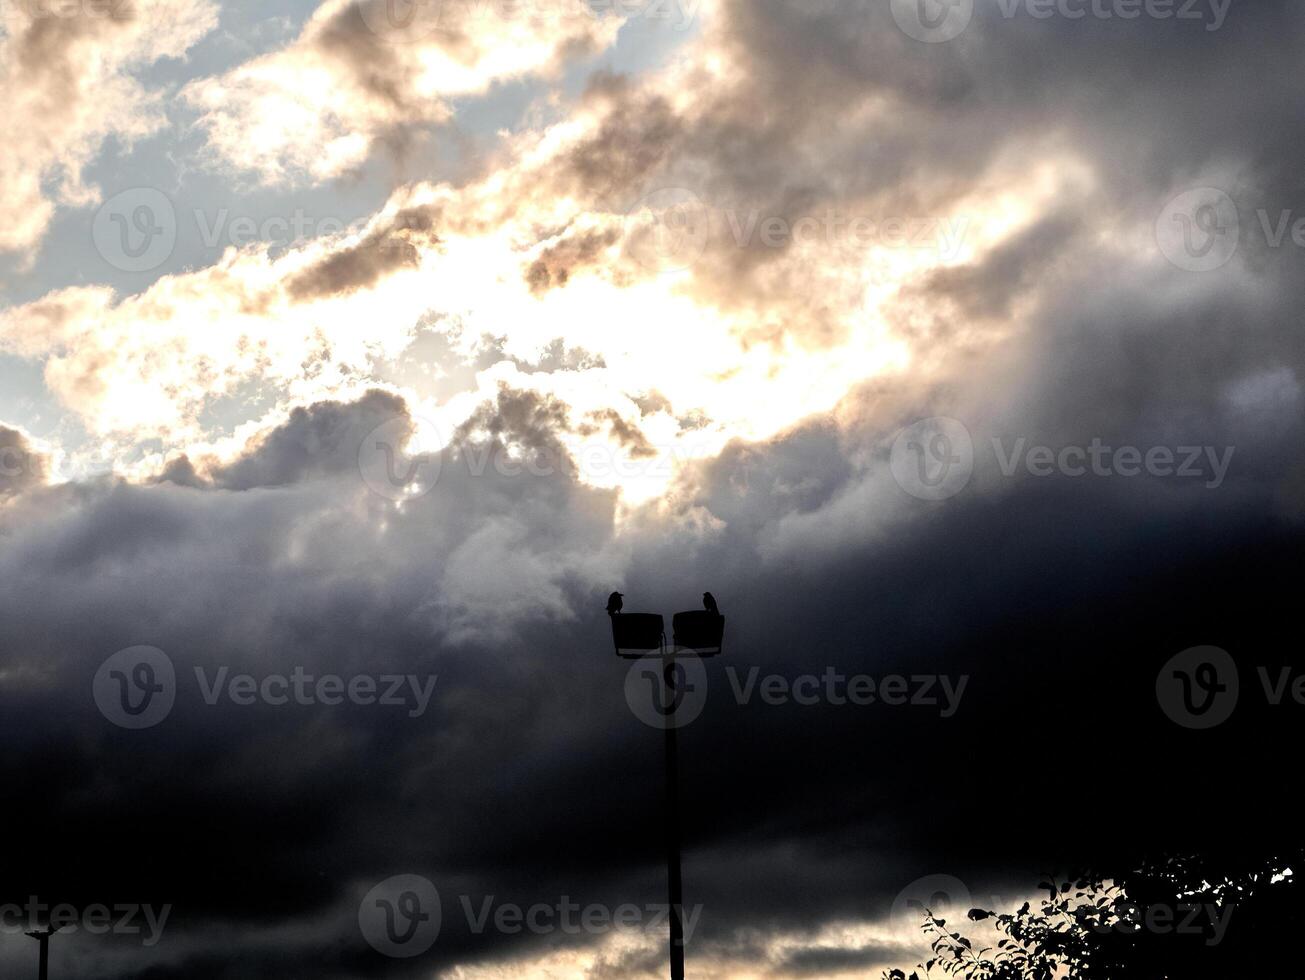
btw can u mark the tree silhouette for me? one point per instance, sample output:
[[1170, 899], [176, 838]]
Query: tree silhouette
[[1187, 918]]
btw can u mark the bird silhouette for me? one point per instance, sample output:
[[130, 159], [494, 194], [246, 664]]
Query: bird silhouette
[[614, 603], [709, 603]]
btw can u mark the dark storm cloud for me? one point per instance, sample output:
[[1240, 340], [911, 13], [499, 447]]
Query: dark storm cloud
[[22, 465], [524, 417], [319, 441], [530, 779]]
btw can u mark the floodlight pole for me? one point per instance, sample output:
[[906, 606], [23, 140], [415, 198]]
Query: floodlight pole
[[675, 882], [639, 636], [43, 937]]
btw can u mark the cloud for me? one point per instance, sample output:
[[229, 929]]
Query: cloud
[[820, 961], [68, 82], [358, 75], [315, 441], [22, 464], [384, 249]]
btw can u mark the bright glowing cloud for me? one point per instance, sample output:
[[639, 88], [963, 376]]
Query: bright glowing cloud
[[68, 83]]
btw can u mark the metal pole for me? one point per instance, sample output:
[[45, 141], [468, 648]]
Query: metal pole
[[43, 970], [673, 820]]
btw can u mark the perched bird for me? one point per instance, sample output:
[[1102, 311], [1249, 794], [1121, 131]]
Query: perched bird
[[614, 603], [709, 604]]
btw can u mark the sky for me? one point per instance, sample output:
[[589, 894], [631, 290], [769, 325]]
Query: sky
[[952, 342]]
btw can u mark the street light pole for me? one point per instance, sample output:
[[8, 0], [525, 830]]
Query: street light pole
[[642, 635], [43, 970], [673, 820]]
